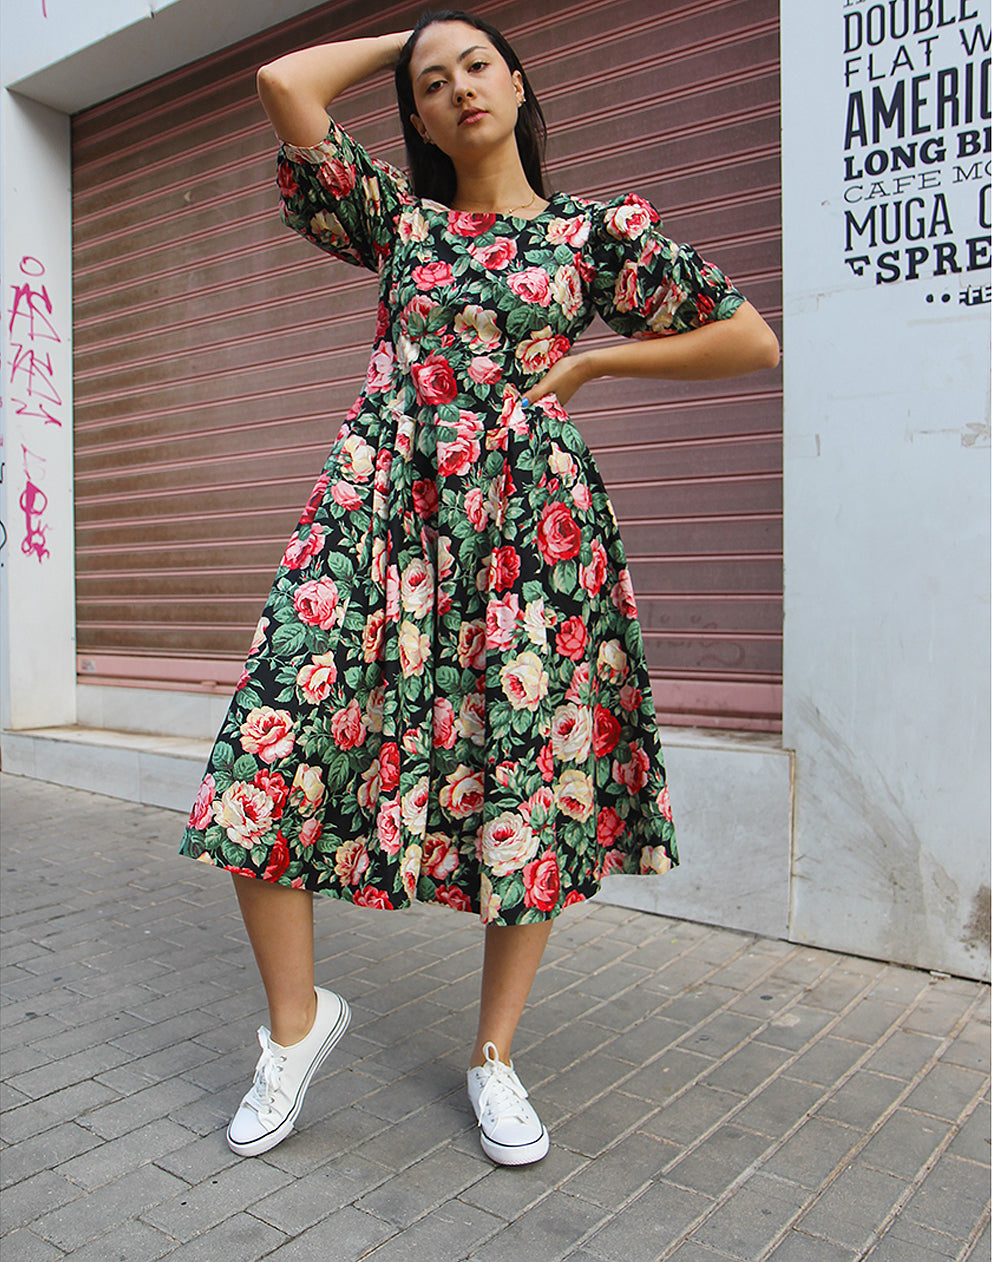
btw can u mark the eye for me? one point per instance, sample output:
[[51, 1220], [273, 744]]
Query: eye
[[432, 87], [478, 65]]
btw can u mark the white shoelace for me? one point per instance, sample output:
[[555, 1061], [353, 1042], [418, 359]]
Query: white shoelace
[[268, 1074], [503, 1090]]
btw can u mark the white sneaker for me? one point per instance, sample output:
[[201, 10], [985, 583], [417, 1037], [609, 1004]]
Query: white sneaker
[[282, 1075], [511, 1132]]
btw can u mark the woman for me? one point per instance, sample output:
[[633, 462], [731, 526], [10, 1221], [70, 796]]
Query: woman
[[447, 697]]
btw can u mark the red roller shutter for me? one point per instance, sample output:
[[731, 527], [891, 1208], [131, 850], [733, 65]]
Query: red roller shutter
[[215, 354]]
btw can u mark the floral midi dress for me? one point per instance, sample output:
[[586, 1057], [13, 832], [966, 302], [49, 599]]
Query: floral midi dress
[[446, 698]]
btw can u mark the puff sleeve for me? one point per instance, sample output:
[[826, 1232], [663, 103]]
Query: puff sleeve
[[340, 198], [643, 284]]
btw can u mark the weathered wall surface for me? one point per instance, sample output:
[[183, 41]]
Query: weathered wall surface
[[887, 291]]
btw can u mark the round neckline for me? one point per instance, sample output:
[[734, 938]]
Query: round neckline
[[484, 214]]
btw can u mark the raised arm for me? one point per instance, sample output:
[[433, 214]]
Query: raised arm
[[297, 89], [742, 344]]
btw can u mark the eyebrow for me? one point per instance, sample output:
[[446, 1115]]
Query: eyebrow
[[461, 57]]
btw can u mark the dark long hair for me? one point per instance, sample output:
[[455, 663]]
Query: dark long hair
[[432, 172]]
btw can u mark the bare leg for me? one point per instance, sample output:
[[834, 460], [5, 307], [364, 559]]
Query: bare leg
[[279, 921], [513, 953]]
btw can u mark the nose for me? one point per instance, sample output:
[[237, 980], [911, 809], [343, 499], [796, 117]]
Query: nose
[[462, 90]]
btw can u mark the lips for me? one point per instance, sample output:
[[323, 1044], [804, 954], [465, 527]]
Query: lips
[[471, 116]]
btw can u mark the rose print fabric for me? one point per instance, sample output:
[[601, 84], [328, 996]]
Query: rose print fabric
[[446, 698]]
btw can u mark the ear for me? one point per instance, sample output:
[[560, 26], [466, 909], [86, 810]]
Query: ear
[[420, 129], [518, 83]]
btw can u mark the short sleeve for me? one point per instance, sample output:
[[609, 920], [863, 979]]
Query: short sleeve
[[340, 198], [645, 285]]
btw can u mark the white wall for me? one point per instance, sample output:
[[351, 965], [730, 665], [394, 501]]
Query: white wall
[[73, 53], [36, 507], [57, 57], [887, 498]]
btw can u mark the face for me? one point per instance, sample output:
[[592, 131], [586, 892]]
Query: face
[[465, 94]]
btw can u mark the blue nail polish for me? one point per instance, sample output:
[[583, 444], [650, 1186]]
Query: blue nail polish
[[525, 403]]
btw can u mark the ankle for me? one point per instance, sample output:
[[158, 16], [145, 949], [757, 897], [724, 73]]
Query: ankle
[[291, 1026], [479, 1058]]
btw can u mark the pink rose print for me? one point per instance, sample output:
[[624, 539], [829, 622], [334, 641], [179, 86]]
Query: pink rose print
[[542, 882], [571, 639], [300, 551], [467, 224], [532, 284], [434, 380], [316, 603], [558, 537], [200, 815], [337, 177]]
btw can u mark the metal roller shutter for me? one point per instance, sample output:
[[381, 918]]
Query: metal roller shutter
[[215, 355]]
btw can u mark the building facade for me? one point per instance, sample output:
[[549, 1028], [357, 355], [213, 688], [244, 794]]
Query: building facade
[[176, 364]]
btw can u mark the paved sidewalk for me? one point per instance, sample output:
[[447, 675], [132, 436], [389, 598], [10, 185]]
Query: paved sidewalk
[[710, 1095]]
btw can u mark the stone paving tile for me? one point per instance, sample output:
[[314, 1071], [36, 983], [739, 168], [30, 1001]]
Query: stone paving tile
[[903, 1055], [826, 1060], [816, 1149], [71, 1103], [110, 1121], [46, 1079], [653, 1221], [720, 1159], [25, 1246], [132, 1240], [39, 1194], [778, 1107], [747, 1069], [864, 1095], [423, 1186], [240, 1237], [548, 1230], [797, 1247], [44, 1151], [795, 1028], [970, 1050], [195, 1210], [904, 1236], [507, 1192], [748, 1223], [974, 1140], [904, 1143], [868, 1021], [599, 1126], [354, 1235], [450, 1234], [684, 1119], [951, 1198], [672, 1071], [75, 1224], [313, 1196], [621, 1170], [691, 1251], [200, 1159], [851, 1208], [133, 1008], [943, 1090]]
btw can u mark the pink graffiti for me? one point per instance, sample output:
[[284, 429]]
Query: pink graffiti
[[35, 306], [33, 501], [30, 369]]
